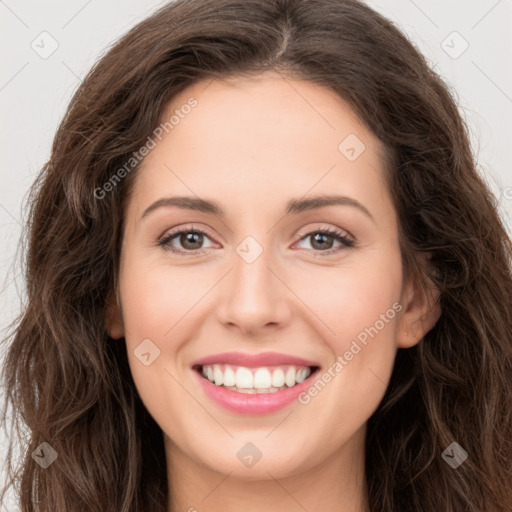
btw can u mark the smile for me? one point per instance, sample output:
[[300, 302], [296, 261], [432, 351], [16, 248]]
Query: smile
[[255, 380], [254, 384]]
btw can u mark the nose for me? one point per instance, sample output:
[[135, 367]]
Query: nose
[[254, 297]]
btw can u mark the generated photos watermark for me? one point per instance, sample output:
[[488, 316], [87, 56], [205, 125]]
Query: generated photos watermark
[[343, 360], [138, 156]]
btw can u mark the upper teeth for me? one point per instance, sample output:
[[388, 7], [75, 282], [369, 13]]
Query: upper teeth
[[255, 378]]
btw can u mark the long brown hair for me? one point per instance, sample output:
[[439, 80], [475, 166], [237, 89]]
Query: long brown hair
[[70, 386]]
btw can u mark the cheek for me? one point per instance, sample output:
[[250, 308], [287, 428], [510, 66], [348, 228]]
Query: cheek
[[369, 309], [155, 301], [350, 298], [360, 305], [156, 297]]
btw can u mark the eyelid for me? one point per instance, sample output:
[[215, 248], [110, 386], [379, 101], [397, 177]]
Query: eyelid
[[323, 227]]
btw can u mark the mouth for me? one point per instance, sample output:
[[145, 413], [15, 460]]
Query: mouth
[[255, 380], [254, 383]]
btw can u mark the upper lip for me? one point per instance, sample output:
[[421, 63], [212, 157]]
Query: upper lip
[[254, 360]]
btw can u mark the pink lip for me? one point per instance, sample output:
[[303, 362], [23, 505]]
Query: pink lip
[[254, 360], [258, 403]]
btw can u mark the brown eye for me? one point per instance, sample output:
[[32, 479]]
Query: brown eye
[[189, 240], [322, 240]]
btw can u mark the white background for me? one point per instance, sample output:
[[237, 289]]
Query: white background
[[34, 91]]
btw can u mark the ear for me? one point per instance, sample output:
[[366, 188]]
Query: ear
[[115, 325], [421, 308]]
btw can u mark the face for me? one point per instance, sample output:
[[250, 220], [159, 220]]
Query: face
[[292, 305]]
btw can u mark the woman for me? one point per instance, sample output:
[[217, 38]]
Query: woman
[[263, 272]]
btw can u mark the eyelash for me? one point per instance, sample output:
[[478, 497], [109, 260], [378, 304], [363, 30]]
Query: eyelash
[[337, 235]]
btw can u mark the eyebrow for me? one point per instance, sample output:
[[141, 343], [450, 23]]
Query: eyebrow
[[293, 206]]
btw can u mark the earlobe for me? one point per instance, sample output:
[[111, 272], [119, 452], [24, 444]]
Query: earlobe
[[421, 307], [114, 318]]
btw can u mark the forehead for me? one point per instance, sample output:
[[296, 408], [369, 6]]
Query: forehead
[[265, 137], [266, 105]]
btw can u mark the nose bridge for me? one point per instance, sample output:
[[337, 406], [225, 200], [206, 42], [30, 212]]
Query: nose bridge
[[254, 296]]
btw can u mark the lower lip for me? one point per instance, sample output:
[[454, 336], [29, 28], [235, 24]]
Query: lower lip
[[257, 403]]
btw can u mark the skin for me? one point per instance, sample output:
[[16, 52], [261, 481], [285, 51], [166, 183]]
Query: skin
[[253, 144]]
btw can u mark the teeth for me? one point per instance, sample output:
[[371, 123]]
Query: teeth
[[278, 378], [290, 377], [218, 375], [244, 378], [255, 391], [255, 380], [229, 377], [262, 379], [301, 375]]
